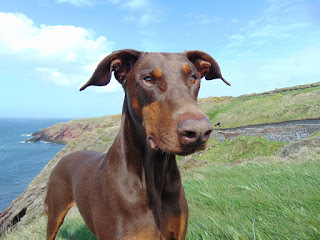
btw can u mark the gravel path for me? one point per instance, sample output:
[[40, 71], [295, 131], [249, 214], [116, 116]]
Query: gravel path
[[277, 132]]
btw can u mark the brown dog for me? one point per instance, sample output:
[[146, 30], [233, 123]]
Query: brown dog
[[134, 191]]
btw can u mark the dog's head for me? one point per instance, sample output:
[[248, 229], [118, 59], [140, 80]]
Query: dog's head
[[161, 92]]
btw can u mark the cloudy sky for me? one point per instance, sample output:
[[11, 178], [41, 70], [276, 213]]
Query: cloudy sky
[[49, 48]]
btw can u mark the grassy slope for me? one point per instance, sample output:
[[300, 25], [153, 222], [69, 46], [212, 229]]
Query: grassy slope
[[99, 139], [296, 103], [240, 189], [276, 106], [267, 201], [267, 197]]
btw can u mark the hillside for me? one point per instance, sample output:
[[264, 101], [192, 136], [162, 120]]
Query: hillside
[[246, 188], [295, 103], [67, 131], [287, 104]]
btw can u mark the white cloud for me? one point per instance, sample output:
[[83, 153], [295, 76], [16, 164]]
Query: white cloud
[[78, 2], [131, 4], [136, 4], [19, 34], [299, 66], [73, 80], [142, 12], [278, 49], [70, 51], [113, 86], [63, 79], [282, 26], [235, 20], [203, 19]]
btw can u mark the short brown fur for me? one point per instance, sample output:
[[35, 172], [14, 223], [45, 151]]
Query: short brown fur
[[134, 191]]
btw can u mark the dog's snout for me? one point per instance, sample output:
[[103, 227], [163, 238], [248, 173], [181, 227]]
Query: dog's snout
[[194, 132]]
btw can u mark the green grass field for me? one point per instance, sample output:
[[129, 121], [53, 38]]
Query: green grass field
[[242, 190], [255, 201], [276, 106]]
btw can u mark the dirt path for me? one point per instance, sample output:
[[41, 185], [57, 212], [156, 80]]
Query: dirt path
[[277, 132]]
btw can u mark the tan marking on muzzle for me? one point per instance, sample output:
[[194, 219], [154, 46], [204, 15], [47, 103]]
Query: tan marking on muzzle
[[151, 115], [161, 126]]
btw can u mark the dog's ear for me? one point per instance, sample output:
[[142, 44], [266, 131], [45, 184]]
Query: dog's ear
[[120, 62], [206, 65]]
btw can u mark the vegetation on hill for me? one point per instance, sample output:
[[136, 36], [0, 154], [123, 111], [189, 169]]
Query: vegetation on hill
[[230, 111], [287, 104], [243, 188], [267, 195], [297, 103]]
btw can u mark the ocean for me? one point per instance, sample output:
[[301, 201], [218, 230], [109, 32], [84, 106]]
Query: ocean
[[21, 162]]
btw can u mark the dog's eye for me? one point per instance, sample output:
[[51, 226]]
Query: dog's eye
[[148, 80], [193, 79]]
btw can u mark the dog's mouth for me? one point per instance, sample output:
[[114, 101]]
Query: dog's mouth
[[153, 143], [183, 151]]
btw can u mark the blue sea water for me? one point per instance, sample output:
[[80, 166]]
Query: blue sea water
[[21, 162]]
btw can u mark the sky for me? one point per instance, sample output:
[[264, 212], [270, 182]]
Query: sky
[[50, 48]]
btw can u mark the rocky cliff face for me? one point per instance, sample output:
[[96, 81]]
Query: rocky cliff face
[[28, 205], [65, 132], [63, 135]]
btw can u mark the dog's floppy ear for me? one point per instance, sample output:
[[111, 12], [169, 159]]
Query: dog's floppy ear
[[206, 65], [120, 62]]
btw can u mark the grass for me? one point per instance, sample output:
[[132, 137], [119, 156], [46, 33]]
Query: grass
[[264, 197], [98, 139], [268, 197], [296, 103], [246, 188], [73, 228], [315, 134], [266, 108], [255, 201], [240, 149]]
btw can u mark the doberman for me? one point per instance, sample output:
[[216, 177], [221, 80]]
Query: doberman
[[134, 191]]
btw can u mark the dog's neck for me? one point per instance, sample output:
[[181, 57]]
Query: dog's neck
[[157, 170]]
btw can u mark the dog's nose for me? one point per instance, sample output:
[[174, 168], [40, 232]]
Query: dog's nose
[[194, 132]]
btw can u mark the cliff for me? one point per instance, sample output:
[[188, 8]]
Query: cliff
[[65, 132], [93, 134]]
